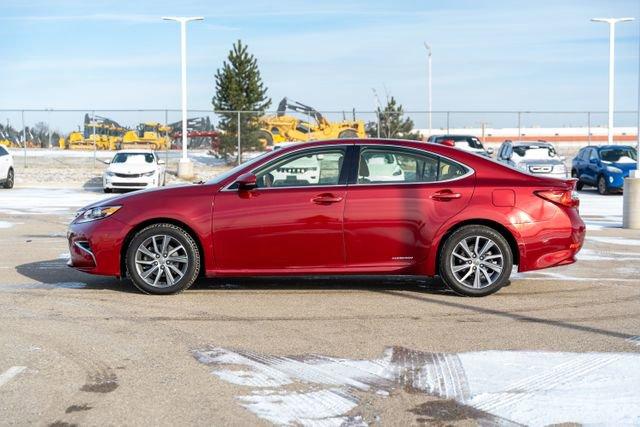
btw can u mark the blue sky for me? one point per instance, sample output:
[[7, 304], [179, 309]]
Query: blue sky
[[496, 55]]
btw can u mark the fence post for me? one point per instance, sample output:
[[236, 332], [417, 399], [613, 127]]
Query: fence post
[[93, 114], [448, 114], [379, 123], [589, 128], [239, 141], [49, 127], [24, 140], [519, 128], [166, 147]]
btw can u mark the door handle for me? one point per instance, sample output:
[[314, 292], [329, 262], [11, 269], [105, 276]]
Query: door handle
[[445, 195], [325, 199]]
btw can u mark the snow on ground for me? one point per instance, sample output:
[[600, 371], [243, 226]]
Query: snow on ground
[[6, 224], [532, 388], [615, 240], [27, 201], [599, 212]]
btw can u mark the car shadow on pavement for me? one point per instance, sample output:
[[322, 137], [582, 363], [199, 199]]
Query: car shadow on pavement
[[56, 274]]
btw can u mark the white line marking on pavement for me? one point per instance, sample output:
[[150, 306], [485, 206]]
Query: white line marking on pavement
[[634, 340], [10, 373]]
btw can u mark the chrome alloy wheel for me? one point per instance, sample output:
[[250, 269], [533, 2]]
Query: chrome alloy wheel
[[476, 262], [161, 261]]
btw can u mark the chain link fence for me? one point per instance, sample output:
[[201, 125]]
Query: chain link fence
[[96, 133]]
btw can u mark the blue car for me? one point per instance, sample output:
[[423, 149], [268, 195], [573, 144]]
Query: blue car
[[604, 167]]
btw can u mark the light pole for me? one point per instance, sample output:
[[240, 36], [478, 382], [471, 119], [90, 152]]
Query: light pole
[[428, 47], [631, 190], [185, 167], [612, 40]]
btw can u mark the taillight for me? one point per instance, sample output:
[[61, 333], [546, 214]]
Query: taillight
[[568, 198], [448, 142]]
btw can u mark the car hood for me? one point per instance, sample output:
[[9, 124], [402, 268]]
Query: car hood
[[624, 166], [129, 168], [541, 162], [140, 194]]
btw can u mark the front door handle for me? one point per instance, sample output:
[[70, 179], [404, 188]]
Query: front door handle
[[445, 195], [325, 199]]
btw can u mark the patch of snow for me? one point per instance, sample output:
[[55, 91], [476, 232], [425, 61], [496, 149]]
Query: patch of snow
[[29, 201], [6, 224], [586, 254], [593, 204], [64, 255], [615, 240], [532, 388]]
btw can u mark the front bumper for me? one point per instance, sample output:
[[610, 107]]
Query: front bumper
[[94, 246], [130, 183]]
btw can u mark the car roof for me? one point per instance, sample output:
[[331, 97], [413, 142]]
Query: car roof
[[531, 143], [133, 151], [600, 147]]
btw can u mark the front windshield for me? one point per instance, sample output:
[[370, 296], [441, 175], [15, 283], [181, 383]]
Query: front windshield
[[219, 178], [534, 152], [619, 155], [133, 158]]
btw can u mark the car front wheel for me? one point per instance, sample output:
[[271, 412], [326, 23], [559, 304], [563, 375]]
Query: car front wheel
[[8, 183], [476, 261], [163, 259], [602, 185], [579, 184]]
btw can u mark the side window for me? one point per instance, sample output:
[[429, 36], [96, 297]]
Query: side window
[[501, 151], [3, 152], [320, 167], [508, 149], [378, 165], [593, 155]]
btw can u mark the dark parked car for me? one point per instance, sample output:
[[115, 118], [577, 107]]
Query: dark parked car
[[338, 207], [604, 167], [468, 143]]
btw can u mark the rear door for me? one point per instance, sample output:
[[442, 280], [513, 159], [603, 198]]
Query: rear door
[[397, 202]]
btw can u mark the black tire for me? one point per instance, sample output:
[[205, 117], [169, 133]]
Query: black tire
[[602, 185], [349, 133], [108, 190], [579, 184], [265, 136], [8, 183], [500, 247], [191, 251]]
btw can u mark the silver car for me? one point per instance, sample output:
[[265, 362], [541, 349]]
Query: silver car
[[537, 158]]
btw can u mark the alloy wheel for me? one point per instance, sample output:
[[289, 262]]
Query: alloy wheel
[[161, 261], [476, 262]]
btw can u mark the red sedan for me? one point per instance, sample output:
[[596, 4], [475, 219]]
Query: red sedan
[[338, 207]]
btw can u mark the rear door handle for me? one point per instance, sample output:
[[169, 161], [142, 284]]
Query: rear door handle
[[445, 195], [325, 199]]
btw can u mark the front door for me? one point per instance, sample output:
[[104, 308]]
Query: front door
[[292, 221], [400, 199]]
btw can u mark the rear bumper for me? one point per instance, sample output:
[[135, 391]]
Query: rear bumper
[[551, 243], [94, 247]]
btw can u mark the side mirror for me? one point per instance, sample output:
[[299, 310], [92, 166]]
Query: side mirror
[[107, 162], [246, 181], [161, 162], [490, 150]]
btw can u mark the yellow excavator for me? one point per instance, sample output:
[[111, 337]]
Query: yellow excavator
[[286, 128], [99, 132], [152, 135]]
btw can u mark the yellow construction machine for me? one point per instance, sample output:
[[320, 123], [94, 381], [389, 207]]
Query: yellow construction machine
[[285, 128], [148, 135], [99, 132]]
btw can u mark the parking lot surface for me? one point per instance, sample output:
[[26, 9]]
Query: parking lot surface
[[558, 345]]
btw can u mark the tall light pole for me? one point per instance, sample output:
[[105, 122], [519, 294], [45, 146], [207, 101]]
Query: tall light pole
[[428, 47], [185, 167], [612, 41]]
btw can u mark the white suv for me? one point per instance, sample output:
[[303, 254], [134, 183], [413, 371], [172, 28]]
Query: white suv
[[7, 173]]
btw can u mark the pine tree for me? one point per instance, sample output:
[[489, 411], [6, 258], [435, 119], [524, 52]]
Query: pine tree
[[239, 87], [392, 122]]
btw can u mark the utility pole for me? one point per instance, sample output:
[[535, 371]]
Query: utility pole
[[428, 47], [185, 167], [612, 40]]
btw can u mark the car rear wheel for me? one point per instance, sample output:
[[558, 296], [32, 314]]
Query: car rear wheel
[[579, 184], [476, 261], [602, 185], [163, 259], [8, 183]]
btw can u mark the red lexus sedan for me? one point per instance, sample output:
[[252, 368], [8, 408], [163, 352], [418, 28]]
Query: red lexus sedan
[[384, 207]]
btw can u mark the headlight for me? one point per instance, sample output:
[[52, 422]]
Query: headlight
[[109, 173], [149, 173], [522, 166], [613, 169], [95, 213]]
